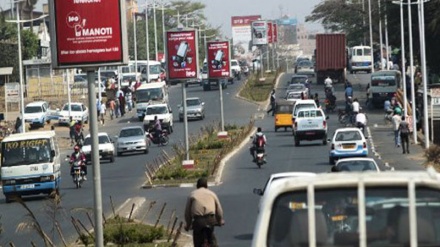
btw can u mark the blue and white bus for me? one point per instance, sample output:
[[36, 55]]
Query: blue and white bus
[[30, 164], [383, 85], [360, 59]]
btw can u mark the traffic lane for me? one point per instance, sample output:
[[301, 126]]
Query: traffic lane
[[119, 179]]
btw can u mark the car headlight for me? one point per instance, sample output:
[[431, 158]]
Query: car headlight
[[8, 182], [46, 178]]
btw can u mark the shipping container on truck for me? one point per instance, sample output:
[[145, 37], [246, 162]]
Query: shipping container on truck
[[330, 57]]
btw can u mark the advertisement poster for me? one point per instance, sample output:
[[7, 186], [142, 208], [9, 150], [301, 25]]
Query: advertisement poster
[[275, 32], [182, 54], [270, 32], [218, 59], [259, 32], [241, 36], [84, 34]]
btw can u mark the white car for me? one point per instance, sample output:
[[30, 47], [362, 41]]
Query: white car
[[78, 112], [35, 113], [310, 125], [356, 165], [163, 113], [347, 142], [106, 147]]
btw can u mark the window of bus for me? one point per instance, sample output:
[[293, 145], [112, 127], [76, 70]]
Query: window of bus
[[24, 152], [383, 80]]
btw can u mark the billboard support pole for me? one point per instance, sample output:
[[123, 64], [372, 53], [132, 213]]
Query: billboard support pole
[[221, 106], [185, 120], [261, 62], [267, 57], [99, 233]]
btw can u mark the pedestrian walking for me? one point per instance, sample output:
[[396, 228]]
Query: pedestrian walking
[[98, 107], [316, 98], [203, 211], [112, 105], [272, 103], [18, 128], [404, 135], [102, 112], [129, 99], [396, 122]]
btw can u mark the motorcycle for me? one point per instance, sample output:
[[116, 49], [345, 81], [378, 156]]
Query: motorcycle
[[260, 157], [330, 103], [161, 140], [245, 70], [78, 173]]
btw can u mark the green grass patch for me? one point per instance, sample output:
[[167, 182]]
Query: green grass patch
[[207, 151], [122, 232], [256, 90]]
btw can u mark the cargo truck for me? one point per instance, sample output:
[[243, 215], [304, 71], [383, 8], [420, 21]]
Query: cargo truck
[[330, 57]]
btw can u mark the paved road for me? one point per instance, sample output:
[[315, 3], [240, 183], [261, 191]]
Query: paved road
[[122, 179]]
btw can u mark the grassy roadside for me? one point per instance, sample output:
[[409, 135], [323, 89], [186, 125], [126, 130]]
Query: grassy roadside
[[256, 90]]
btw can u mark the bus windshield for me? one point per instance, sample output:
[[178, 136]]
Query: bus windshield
[[383, 81], [25, 152], [146, 95]]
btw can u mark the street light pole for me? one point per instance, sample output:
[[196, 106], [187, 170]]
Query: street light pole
[[386, 37], [147, 35], [424, 72], [155, 31], [380, 38], [135, 42], [371, 35], [405, 98], [413, 94], [20, 67]]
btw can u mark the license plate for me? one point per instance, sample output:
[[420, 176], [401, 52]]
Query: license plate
[[310, 133], [348, 146], [27, 186]]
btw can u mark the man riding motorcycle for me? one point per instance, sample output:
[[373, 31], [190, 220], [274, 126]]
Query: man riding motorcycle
[[157, 127], [77, 155], [328, 85], [258, 143]]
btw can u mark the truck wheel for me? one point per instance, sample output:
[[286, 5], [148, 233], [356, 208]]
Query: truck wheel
[[276, 129], [297, 141], [141, 119], [324, 141], [186, 84], [331, 160]]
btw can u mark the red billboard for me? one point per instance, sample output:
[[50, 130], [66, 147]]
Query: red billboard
[[275, 32], [85, 36], [270, 32], [218, 59], [182, 54]]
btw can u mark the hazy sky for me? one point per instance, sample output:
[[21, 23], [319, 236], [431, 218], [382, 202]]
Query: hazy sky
[[219, 12]]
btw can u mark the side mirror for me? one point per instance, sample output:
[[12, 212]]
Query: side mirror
[[52, 153], [258, 192], [329, 140], [171, 111], [203, 103]]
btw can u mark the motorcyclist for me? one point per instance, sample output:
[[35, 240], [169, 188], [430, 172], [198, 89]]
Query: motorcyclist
[[348, 90], [78, 132], [328, 85], [361, 121], [157, 127], [256, 145], [77, 155]]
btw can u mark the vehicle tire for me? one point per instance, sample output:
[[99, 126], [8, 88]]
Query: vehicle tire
[[324, 141], [78, 185], [8, 199], [297, 142], [180, 119], [112, 159], [141, 119], [164, 140], [285, 128], [186, 84], [119, 154], [331, 160], [169, 129], [276, 129], [259, 165], [146, 151]]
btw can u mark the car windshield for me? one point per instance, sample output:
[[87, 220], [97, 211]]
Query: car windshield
[[343, 136], [155, 69], [25, 152], [33, 109], [305, 63], [296, 87], [73, 108], [310, 114], [356, 165], [146, 95], [298, 79], [101, 140], [304, 106], [234, 63], [337, 217], [131, 132], [157, 110], [192, 102]]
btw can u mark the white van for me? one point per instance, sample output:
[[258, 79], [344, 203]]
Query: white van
[[150, 70], [35, 113], [30, 164], [150, 93]]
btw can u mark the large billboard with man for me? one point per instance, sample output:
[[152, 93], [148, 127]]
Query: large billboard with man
[[241, 36]]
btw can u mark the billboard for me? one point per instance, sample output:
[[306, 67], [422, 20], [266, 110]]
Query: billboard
[[275, 32], [241, 36], [259, 32], [218, 59], [182, 54], [83, 35], [270, 32]]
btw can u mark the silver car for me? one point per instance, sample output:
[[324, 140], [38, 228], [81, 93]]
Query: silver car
[[195, 109], [131, 139]]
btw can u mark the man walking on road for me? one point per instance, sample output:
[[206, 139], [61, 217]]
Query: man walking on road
[[396, 123], [272, 103], [203, 211], [404, 135]]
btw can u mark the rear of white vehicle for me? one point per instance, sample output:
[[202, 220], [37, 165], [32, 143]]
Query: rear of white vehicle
[[310, 125]]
